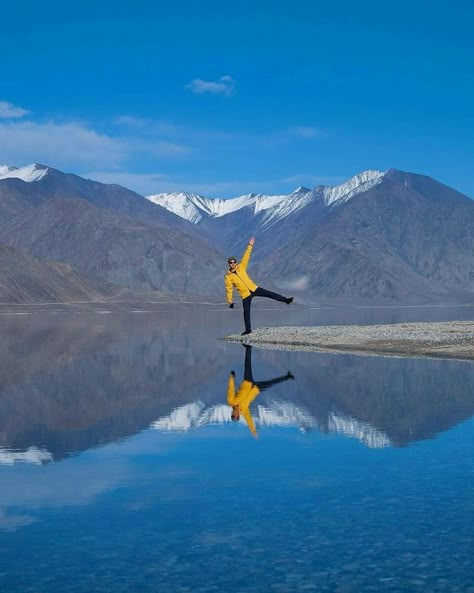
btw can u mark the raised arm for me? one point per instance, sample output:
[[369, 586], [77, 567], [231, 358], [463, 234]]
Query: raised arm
[[246, 256]]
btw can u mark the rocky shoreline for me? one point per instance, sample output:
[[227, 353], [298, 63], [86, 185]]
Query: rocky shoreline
[[449, 339]]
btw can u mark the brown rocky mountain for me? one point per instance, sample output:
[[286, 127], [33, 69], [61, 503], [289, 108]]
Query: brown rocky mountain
[[28, 279], [45, 183], [87, 224], [408, 239]]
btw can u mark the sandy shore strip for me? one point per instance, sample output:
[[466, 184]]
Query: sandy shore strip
[[447, 339]]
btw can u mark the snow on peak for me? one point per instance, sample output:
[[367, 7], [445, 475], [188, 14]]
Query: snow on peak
[[291, 204], [195, 208], [30, 173], [6, 170], [180, 203], [355, 185]]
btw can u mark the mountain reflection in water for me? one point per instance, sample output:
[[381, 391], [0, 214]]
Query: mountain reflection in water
[[77, 383], [121, 469]]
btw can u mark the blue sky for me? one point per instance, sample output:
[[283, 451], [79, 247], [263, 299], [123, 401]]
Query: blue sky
[[227, 98]]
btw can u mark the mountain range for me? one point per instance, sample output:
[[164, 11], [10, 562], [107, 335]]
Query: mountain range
[[381, 236]]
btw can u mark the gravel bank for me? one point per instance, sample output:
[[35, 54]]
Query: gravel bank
[[450, 339]]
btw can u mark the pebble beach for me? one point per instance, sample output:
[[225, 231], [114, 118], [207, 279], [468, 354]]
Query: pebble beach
[[452, 339]]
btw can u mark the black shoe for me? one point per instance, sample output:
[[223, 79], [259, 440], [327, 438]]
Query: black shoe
[[246, 332], [289, 300]]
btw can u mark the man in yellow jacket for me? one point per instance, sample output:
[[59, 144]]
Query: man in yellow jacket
[[237, 277], [241, 399]]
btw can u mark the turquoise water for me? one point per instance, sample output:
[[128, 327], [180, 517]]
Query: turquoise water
[[122, 471]]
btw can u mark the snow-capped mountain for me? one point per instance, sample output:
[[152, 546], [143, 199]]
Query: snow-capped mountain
[[196, 415], [196, 208], [384, 236], [30, 173]]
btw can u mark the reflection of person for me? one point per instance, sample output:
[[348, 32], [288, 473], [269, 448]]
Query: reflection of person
[[248, 390], [237, 277]]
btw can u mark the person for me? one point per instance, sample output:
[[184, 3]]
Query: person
[[241, 399], [237, 277]]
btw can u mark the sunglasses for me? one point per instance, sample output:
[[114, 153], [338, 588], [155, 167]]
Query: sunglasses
[[232, 261]]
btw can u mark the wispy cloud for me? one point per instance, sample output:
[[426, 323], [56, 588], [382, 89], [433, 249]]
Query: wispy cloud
[[164, 148], [76, 145], [131, 121], [304, 132], [142, 183], [61, 145], [225, 85], [156, 183], [292, 134], [10, 111]]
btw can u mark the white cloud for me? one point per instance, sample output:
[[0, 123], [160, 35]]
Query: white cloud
[[10, 111], [164, 148], [150, 127], [155, 183], [292, 134], [225, 85], [59, 144], [142, 183], [304, 132], [130, 121]]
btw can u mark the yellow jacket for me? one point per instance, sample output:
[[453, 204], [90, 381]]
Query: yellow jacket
[[240, 279], [247, 392]]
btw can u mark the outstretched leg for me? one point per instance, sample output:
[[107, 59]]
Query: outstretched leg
[[263, 292]]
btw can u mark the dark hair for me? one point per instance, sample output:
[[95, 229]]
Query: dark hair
[[229, 259]]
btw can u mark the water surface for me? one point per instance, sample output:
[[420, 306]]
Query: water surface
[[121, 469]]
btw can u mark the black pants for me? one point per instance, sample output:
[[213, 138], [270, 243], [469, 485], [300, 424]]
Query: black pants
[[261, 292]]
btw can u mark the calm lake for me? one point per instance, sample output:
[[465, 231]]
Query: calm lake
[[121, 469]]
